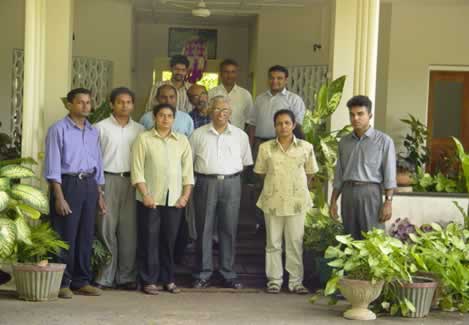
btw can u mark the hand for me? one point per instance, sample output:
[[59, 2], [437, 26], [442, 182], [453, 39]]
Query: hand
[[333, 211], [149, 202], [181, 202], [386, 212], [102, 204], [61, 207]]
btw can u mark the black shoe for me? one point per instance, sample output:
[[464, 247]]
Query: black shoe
[[201, 284], [4, 277], [233, 284]]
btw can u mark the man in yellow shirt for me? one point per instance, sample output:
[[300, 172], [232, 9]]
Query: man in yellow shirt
[[287, 164], [162, 171]]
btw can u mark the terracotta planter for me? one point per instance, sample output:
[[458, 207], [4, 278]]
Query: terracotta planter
[[360, 294], [404, 179], [38, 283], [420, 293]]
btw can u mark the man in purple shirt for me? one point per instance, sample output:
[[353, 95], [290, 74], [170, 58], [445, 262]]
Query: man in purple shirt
[[74, 170]]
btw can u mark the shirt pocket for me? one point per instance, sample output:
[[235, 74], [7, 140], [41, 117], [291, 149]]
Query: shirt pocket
[[372, 156]]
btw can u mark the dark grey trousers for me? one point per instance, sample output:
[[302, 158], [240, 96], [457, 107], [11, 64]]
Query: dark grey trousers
[[360, 208], [221, 198]]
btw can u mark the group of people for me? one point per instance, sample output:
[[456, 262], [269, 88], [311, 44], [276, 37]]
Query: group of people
[[141, 186]]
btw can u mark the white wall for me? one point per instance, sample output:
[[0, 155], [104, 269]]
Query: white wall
[[286, 37], [103, 29], [420, 36], [152, 43], [12, 26]]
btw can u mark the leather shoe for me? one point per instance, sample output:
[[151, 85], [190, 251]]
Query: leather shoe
[[65, 293], [201, 284], [151, 289], [89, 290], [233, 284]]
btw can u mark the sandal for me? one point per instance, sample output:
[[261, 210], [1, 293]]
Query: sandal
[[172, 288], [299, 290], [273, 288]]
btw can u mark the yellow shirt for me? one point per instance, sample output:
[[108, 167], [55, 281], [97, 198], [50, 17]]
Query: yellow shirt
[[285, 190], [164, 164]]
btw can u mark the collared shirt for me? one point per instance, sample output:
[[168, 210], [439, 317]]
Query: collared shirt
[[265, 107], [71, 150], [285, 191], [198, 119], [183, 103], [240, 101], [182, 123], [371, 158], [163, 164], [116, 142], [220, 154]]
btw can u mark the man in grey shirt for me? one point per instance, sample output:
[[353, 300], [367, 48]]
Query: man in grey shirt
[[366, 164]]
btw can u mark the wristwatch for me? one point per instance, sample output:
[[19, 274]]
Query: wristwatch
[[388, 197]]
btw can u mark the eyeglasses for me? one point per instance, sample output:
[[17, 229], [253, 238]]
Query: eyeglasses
[[221, 110]]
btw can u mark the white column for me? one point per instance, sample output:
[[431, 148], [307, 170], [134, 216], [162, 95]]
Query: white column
[[47, 69], [354, 51]]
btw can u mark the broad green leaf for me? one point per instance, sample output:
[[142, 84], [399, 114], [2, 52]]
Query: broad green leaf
[[4, 198], [409, 305], [29, 212], [336, 263], [331, 285], [31, 196], [4, 183], [7, 237], [18, 161], [23, 232], [16, 171], [344, 239], [394, 309]]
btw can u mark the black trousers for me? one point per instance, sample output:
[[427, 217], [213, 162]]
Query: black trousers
[[156, 227], [77, 229]]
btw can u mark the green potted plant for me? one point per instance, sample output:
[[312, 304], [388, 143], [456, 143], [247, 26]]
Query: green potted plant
[[27, 247]]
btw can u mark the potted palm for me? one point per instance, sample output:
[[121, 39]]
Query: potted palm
[[28, 248]]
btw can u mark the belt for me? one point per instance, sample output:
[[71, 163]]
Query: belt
[[264, 139], [123, 174], [359, 183], [219, 177], [81, 175]]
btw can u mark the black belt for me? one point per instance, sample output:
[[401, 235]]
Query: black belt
[[359, 183], [81, 175], [219, 177], [123, 174]]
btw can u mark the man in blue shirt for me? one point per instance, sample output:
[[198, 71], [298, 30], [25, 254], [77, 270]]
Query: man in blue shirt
[[167, 94], [74, 169]]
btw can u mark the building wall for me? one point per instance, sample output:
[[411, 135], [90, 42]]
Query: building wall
[[12, 25]]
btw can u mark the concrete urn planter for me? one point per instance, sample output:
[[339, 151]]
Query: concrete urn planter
[[38, 283], [360, 294]]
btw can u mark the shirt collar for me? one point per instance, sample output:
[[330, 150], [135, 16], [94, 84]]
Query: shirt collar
[[113, 120], [369, 133], [71, 123], [228, 130], [283, 92], [172, 134], [295, 141], [233, 90]]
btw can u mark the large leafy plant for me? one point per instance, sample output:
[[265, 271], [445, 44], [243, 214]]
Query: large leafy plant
[[321, 230], [415, 143]]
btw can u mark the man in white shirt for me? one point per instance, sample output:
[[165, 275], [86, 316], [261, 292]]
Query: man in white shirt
[[221, 151], [240, 99], [260, 121], [118, 228], [179, 65]]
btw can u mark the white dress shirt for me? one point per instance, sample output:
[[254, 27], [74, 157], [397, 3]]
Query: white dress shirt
[[182, 104], [265, 107], [220, 154], [116, 142], [240, 102]]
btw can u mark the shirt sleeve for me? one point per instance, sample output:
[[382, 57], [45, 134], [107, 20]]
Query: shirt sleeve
[[190, 125], [311, 165], [338, 176], [147, 120], [299, 109], [99, 163], [261, 162], [137, 166], [53, 156], [187, 164], [246, 150], [389, 165]]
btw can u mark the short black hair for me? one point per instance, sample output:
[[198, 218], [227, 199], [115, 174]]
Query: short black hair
[[285, 112], [228, 62], [360, 101], [77, 91], [121, 91], [159, 107], [165, 86], [279, 68], [179, 59]]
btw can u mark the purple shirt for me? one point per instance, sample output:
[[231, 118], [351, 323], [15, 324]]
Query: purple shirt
[[70, 149]]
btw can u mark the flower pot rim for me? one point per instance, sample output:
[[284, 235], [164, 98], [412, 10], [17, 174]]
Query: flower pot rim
[[355, 281], [427, 283], [33, 267]]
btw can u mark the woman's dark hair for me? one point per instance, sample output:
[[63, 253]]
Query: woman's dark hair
[[77, 91], [179, 59], [285, 112], [159, 107], [360, 101], [121, 91], [279, 68]]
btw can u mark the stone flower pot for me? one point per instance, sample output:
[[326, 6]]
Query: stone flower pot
[[38, 282], [360, 294], [420, 293]]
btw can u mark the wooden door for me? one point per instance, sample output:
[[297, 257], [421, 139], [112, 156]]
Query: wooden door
[[448, 115]]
